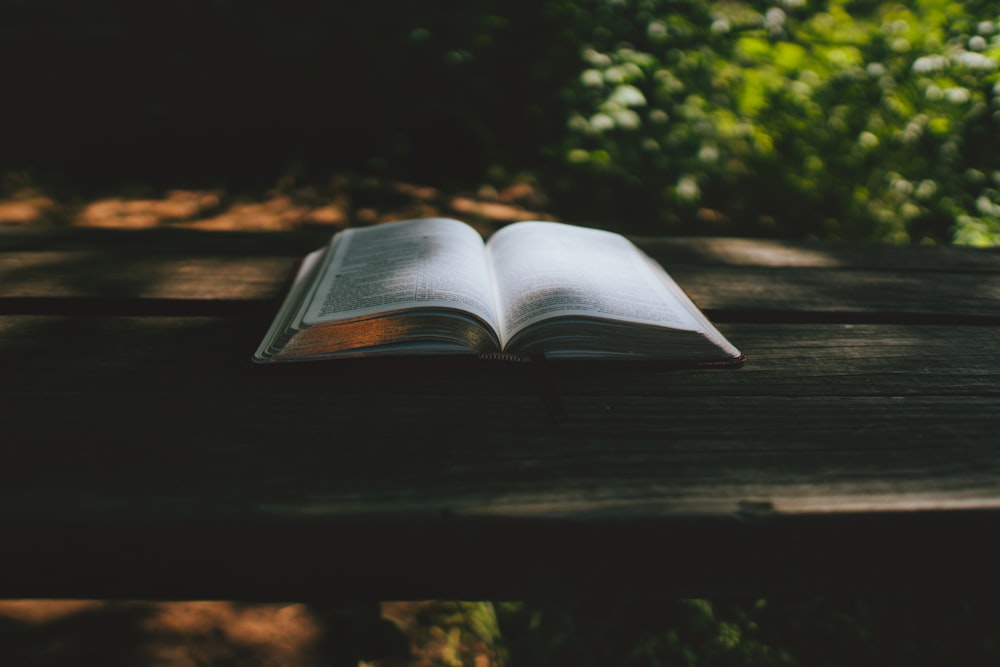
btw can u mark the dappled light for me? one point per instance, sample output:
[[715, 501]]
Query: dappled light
[[345, 201], [763, 253], [62, 632], [862, 121], [30, 210], [119, 213], [773, 253], [900, 502], [199, 634], [162, 169]]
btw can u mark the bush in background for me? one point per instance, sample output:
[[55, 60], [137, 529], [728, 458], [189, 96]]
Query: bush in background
[[799, 118], [832, 119]]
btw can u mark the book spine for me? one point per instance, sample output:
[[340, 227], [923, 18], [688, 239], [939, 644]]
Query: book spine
[[503, 356]]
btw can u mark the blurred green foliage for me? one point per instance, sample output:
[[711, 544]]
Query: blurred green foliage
[[887, 631], [849, 119], [862, 119]]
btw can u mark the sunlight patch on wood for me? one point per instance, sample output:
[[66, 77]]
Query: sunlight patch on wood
[[277, 213], [166, 633], [327, 215], [767, 253], [422, 192], [495, 210], [177, 206], [345, 201], [36, 612], [281, 630], [26, 211], [889, 502]]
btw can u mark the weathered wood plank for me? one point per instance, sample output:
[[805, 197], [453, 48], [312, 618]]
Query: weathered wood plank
[[178, 394], [44, 282], [163, 242], [150, 449], [211, 354], [779, 282], [709, 251], [162, 456], [751, 553], [800, 293], [778, 253], [110, 274], [160, 494]]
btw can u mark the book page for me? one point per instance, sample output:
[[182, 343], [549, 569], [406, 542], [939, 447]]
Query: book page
[[292, 305], [544, 269], [428, 263]]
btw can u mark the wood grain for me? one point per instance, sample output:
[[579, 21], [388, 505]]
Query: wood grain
[[734, 279], [144, 456]]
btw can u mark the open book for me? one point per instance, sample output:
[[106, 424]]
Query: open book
[[432, 286]]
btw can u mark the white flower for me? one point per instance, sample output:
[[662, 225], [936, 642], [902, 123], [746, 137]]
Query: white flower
[[926, 64], [601, 122], [958, 95], [687, 189], [592, 78], [628, 96], [974, 60], [868, 140]]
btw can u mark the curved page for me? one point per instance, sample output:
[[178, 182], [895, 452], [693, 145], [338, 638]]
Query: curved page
[[429, 263], [545, 269]]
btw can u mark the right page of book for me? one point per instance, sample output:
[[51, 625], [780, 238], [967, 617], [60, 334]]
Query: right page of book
[[546, 269]]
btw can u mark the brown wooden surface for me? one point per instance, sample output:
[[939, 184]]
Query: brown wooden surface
[[143, 456]]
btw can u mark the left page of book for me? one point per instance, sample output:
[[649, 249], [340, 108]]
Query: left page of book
[[432, 263], [293, 307]]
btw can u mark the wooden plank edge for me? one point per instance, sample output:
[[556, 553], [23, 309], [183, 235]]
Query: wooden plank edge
[[216, 307], [750, 553], [127, 306]]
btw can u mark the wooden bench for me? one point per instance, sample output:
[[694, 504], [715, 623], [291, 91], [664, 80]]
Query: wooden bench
[[143, 456]]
